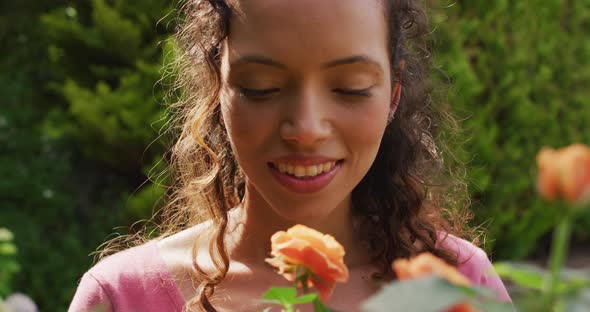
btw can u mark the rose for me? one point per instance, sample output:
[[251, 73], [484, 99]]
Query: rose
[[426, 264], [310, 258], [565, 173]]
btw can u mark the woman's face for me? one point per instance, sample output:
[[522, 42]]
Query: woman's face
[[305, 99]]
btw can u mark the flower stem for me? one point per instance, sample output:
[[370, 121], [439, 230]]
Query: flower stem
[[559, 252]]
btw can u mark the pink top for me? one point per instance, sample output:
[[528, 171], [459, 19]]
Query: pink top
[[137, 279]]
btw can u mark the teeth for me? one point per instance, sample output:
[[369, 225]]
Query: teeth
[[311, 171], [299, 171], [305, 171]]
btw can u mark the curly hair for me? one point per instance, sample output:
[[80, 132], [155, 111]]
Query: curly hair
[[406, 200]]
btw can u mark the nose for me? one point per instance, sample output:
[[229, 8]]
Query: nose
[[304, 123]]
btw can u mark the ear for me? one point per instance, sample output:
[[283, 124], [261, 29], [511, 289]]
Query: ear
[[395, 97], [397, 88]]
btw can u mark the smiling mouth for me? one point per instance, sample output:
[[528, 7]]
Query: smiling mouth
[[304, 171]]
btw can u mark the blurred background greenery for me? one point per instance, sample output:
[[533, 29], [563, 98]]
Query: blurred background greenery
[[81, 107]]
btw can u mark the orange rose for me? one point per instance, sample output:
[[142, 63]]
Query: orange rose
[[304, 248], [565, 173], [462, 307], [426, 264]]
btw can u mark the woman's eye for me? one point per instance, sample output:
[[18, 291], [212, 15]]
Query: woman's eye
[[354, 92], [253, 93]]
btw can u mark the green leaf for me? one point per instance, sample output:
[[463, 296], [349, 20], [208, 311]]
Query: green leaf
[[580, 276], [318, 306], [532, 277], [7, 249], [521, 274], [478, 292], [410, 296], [284, 295], [491, 306], [305, 298], [5, 235]]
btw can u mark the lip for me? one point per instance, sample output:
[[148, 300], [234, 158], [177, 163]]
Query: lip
[[305, 185]]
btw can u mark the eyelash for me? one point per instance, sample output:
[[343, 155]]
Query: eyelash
[[354, 92], [253, 93]]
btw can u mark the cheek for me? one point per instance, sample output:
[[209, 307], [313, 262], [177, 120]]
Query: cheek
[[244, 127], [371, 124], [366, 128]]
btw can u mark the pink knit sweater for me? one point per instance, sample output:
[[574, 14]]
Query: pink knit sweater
[[137, 279]]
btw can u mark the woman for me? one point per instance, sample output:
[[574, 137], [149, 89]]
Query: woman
[[295, 112]]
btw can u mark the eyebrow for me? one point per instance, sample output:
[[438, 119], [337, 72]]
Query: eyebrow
[[352, 60], [256, 59]]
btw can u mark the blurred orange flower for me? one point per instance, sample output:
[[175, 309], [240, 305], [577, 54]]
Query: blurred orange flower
[[565, 173], [426, 264], [319, 255]]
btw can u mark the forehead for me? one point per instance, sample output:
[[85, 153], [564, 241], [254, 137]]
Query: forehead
[[306, 32]]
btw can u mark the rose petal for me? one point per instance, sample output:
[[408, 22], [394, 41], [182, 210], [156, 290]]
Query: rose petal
[[316, 262], [426, 264], [462, 307], [324, 243], [564, 173], [324, 289], [547, 185], [320, 254], [547, 181]]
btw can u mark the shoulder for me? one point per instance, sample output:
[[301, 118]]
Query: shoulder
[[176, 250], [91, 296], [128, 280], [133, 265], [474, 263]]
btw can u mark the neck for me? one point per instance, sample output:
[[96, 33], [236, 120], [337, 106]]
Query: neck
[[254, 222]]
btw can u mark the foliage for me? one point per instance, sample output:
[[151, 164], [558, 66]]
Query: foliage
[[80, 108], [519, 73], [556, 289], [559, 288], [286, 297], [441, 294], [8, 264], [107, 65], [531, 280]]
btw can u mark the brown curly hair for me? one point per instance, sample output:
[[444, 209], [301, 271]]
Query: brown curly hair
[[399, 203]]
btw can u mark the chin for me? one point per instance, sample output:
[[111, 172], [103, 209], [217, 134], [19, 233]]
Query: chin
[[304, 213]]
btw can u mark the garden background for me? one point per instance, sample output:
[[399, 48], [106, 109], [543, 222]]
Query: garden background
[[81, 104]]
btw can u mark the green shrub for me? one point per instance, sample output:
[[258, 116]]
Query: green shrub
[[79, 113], [8, 264], [520, 72]]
